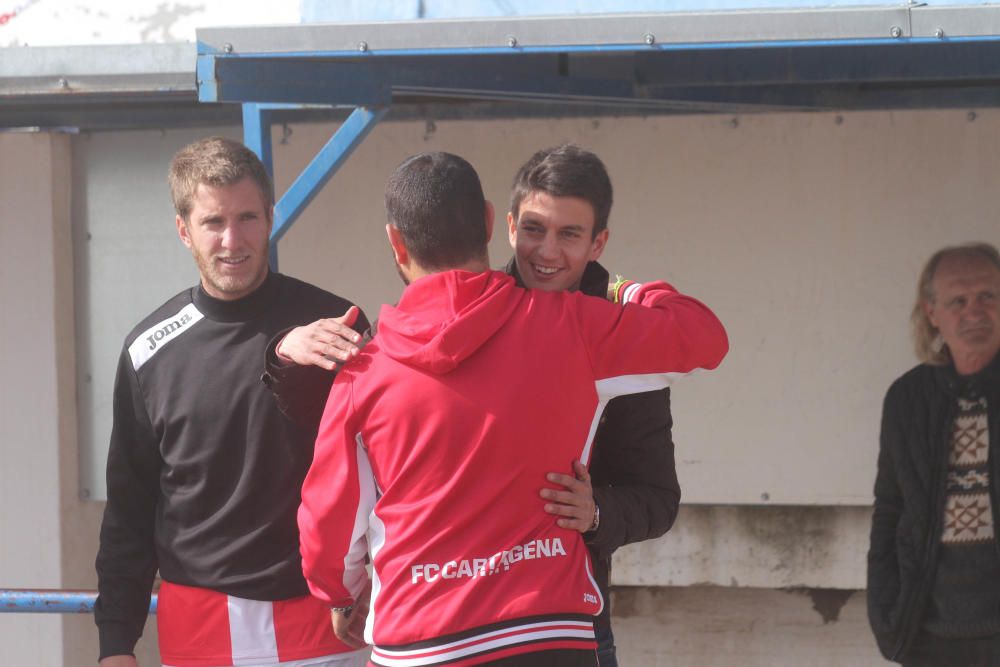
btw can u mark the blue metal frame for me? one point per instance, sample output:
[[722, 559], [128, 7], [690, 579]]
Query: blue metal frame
[[327, 161], [665, 78], [865, 69], [257, 136], [26, 601]]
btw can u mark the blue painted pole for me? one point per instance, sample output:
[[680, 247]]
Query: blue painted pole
[[28, 601], [329, 158], [257, 137]]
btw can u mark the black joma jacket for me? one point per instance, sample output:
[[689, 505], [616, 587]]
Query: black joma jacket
[[917, 418]]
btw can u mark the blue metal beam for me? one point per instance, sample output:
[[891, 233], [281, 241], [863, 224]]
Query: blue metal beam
[[233, 78], [651, 79], [47, 601], [257, 137], [257, 133], [330, 158]]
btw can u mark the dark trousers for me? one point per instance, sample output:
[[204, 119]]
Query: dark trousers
[[557, 658], [931, 651], [606, 656]]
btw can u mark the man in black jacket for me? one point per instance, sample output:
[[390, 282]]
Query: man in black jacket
[[557, 223], [934, 561]]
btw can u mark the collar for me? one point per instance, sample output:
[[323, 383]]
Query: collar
[[986, 380], [593, 283], [241, 310]]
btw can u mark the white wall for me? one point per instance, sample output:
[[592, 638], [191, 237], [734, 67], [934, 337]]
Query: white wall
[[804, 232], [38, 421]]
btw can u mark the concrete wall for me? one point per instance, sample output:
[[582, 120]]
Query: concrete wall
[[38, 428], [727, 627], [49, 531], [804, 231]]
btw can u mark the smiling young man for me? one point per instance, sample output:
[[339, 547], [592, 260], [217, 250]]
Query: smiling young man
[[203, 470], [557, 226]]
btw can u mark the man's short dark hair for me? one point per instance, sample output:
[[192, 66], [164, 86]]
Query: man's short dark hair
[[565, 171], [436, 202]]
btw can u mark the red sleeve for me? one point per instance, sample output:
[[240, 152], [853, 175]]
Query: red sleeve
[[658, 335], [338, 496]]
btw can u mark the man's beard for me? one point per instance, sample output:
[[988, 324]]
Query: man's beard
[[228, 284]]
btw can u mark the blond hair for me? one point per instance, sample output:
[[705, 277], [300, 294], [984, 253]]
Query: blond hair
[[218, 162], [927, 344]]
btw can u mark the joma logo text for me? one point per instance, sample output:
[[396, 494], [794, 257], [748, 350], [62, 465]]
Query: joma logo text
[[171, 327]]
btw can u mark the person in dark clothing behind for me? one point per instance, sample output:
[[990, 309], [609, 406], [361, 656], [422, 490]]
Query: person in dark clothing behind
[[560, 204], [934, 563], [557, 224]]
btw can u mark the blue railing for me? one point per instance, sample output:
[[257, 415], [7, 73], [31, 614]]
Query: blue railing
[[52, 601]]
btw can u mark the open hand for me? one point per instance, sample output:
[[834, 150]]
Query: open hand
[[324, 343], [574, 502]]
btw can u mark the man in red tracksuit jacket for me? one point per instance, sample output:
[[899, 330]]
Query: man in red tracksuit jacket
[[434, 470]]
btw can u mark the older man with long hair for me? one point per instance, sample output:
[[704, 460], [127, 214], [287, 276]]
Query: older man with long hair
[[934, 562]]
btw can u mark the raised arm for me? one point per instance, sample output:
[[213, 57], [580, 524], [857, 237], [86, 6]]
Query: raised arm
[[658, 335], [301, 363]]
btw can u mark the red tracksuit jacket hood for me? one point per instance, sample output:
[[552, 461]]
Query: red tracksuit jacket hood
[[475, 305]]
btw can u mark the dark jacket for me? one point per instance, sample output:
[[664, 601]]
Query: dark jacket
[[632, 467], [917, 418]]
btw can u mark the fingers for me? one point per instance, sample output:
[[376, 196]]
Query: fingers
[[334, 327], [570, 482], [574, 503], [566, 497], [349, 629], [323, 343], [350, 317], [572, 517], [336, 340], [356, 629], [579, 525], [324, 362], [341, 342]]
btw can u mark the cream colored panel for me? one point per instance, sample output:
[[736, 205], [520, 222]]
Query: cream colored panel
[[805, 232]]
